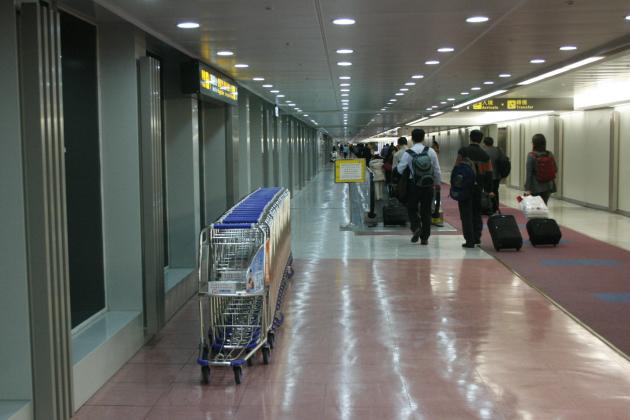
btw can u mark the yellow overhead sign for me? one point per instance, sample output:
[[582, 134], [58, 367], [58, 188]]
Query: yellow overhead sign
[[350, 171], [522, 104]]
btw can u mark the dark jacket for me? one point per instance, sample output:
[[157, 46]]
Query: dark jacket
[[531, 183], [483, 164]]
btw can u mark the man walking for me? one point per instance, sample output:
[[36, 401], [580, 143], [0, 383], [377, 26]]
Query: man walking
[[470, 209], [494, 153], [425, 173]]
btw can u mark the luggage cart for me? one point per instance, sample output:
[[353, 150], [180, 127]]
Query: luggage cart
[[240, 291]]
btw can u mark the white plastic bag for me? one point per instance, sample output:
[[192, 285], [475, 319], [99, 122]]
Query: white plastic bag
[[534, 206]]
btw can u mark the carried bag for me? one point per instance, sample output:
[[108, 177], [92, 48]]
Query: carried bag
[[422, 168], [533, 207], [545, 167], [463, 179], [402, 187], [504, 165]]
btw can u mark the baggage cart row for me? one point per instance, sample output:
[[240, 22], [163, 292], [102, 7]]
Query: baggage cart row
[[244, 270]]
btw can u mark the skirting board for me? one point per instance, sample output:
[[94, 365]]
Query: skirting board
[[90, 373], [179, 294]]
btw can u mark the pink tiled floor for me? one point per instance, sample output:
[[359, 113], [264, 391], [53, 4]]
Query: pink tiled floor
[[443, 339]]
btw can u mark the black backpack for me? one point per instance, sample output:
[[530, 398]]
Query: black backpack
[[422, 168], [504, 166]]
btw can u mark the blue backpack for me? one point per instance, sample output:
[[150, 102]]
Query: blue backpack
[[463, 180]]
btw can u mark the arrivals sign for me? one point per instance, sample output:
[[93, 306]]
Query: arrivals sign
[[522, 104], [201, 79], [350, 171]]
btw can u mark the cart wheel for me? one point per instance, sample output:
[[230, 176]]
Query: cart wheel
[[265, 354], [205, 374], [270, 339], [249, 362], [237, 374]]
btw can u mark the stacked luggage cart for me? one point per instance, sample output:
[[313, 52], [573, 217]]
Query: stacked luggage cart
[[244, 267]]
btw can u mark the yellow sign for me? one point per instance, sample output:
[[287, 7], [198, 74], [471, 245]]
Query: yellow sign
[[214, 85], [350, 171], [488, 105]]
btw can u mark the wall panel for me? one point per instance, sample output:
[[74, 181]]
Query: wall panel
[[624, 160]]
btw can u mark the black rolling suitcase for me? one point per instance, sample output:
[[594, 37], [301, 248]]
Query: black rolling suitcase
[[543, 231], [395, 214], [505, 232]]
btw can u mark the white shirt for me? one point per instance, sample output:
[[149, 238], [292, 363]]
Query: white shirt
[[405, 162], [398, 155]]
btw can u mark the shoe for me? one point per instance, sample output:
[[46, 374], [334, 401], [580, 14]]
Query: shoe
[[424, 242], [416, 236], [478, 243], [467, 245]]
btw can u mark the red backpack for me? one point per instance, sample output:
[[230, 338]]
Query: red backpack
[[545, 170]]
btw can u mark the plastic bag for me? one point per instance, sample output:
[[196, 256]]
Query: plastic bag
[[534, 206]]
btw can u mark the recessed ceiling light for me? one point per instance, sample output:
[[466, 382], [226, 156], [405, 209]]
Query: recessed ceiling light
[[279, 96], [344, 90], [477, 19], [475, 88], [344, 21], [345, 51], [291, 105], [393, 100], [410, 84], [404, 90], [274, 91], [345, 94], [429, 109], [258, 79], [505, 75], [267, 86], [345, 77], [465, 93], [289, 101], [434, 106], [241, 66], [417, 76], [450, 99], [383, 109], [188, 25], [489, 82], [445, 50], [344, 84], [568, 48], [344, 63], [628, 17], [537, 60], [432, 62], [400, 94], [225, 53], [305, 115], [443, 103]]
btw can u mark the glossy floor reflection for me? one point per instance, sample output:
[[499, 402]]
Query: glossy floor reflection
[[379, 329]]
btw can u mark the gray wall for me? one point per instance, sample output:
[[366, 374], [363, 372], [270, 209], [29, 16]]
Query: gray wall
[[214, 157], [15, 355], [244, 175], [119, 46], [182, 180], [256, 142]]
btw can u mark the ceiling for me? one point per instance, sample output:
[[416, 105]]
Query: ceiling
[[292, 44]]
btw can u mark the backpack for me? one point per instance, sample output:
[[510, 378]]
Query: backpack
[[545, 169], [422, 168], [463, 178], [504, 166]]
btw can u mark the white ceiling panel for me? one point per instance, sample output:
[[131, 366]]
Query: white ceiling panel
[[292, 44]]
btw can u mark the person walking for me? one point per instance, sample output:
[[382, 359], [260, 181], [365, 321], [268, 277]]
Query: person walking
[[470, 208], [425, 173], [541, 170], [495, 154], [376, 165], [402, 147]]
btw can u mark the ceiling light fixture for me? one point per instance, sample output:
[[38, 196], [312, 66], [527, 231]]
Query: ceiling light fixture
[[489, 82], [258, 79], [477, 19], [561, 70], [400, 94], [537, 60], [429, 109], [475, 88], [274, 91], [344, 21], [188, 25], [432, 62], [225, 53], [479, 99], [628, 17], [393, 100], [451, 99], [445, 50], [344, 84], [505, 75], [345, 77], [465, 93], [279, 96], [345, 94], [568, 48], [443, 102], [344, 90], [305, 115], [345, 51], [417, 76], [267, 86], [241, 66], [404, 90], [410, 84], [344, 63]]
